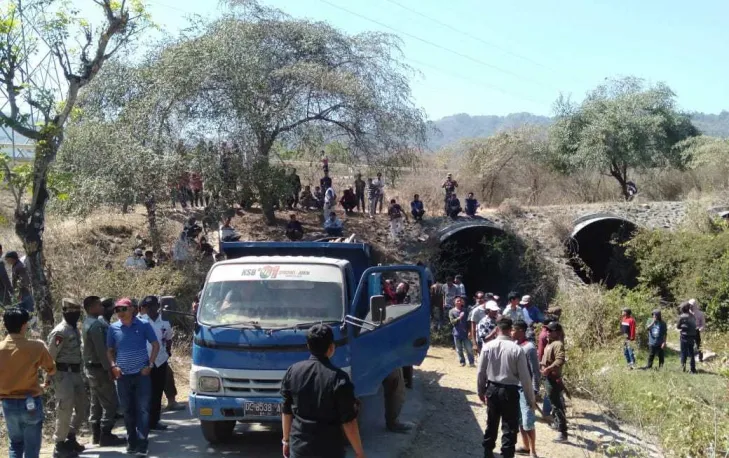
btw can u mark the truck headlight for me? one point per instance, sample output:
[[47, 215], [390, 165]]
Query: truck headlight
[[208, 384]]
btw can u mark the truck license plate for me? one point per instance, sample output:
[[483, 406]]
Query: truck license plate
[[262, 409]]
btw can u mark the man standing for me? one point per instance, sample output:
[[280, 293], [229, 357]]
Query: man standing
[[380, 184], [396, 214], [104, 401], [6, 287], [502, 366], [458, 281], [20, 280], [450, 292], [130, 365], [486, 328], [657, 331], [149, 312], [326, 182], [700, 325], [627, 328], [528, 419], [449, 187], [20, 392], [458, 317], [687, 326], [294, 187], [319, 403], [512, 310], [359, 192], [477, 314], [551, 364], [532, 314], [64, 345]]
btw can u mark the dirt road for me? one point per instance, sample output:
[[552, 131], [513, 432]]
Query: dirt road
[[444, 404], [455, 420]]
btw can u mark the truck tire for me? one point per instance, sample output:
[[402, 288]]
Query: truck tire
[[217, 432]]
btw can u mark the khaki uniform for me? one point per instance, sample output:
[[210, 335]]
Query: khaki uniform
[[64, 345], [104, 400]]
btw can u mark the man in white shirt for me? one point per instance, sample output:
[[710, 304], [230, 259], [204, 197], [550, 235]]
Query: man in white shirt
[[136, 261], [330, 200], [380, 184], [149, 311]]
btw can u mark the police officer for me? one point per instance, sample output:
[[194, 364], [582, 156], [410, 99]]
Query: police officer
[[64, 345], [104, 401]]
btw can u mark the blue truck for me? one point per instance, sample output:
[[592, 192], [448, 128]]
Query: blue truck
[[257, 305]]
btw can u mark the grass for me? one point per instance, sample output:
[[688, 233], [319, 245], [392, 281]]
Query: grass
[[689, 414]]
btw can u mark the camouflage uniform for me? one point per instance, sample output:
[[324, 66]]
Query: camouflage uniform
[[64, 345]]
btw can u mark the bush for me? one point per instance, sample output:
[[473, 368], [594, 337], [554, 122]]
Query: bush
[[681, 265], [592, 314]]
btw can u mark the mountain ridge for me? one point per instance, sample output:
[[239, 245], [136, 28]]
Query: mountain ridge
[[451, 129]]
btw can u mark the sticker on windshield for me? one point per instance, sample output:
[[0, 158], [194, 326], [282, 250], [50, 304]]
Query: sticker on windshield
[[274, 272], [250, 272]]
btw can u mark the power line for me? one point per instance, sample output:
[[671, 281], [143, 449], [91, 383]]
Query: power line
[[431, 43], [474, 81], [466, 34]]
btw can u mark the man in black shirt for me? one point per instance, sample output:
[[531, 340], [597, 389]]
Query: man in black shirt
[[318, 403], [294, 229]]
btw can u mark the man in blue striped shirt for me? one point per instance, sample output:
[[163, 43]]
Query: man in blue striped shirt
[[130, 365]]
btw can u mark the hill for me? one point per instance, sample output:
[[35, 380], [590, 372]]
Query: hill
[[452, 129], [460, 126]]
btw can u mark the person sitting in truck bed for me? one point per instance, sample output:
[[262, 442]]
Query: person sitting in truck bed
[[333, 225]]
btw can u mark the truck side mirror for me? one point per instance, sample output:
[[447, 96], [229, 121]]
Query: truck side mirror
[[378, 309]]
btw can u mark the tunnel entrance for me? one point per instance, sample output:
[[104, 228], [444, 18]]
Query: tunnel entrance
[[492, 260], [597, 251]]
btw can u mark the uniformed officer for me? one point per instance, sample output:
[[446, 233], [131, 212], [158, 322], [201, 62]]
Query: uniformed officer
[[64, 344], [104, 400]]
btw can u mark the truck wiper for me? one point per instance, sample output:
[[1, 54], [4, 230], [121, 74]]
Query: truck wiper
[[302, 325], [251, 324]]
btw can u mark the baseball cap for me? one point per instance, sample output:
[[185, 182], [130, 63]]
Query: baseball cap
[[554, 326], [139, 252], [525, 299], [123, 302], [491, 305]]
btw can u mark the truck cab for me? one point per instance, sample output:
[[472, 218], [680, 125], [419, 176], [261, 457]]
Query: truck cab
[[257, 306]]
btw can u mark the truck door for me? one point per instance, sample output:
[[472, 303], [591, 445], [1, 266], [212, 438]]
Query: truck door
[[400, 295]]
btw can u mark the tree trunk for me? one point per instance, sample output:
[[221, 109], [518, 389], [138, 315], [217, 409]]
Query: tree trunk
[[151, 207], [30, 224], [621, 176]]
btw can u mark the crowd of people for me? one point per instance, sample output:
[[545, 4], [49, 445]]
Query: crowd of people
[[99, 371], [518, 348], [366, 197]]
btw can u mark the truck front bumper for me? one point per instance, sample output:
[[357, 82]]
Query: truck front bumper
[[224, 408]]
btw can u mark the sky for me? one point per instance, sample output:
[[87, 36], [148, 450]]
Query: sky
[[484, 57]]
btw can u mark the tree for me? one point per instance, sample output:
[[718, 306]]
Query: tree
[[261, 77], [622, 125], [80, 49]]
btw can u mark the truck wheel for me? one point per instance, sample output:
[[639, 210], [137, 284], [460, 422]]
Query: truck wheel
[[217, 432]]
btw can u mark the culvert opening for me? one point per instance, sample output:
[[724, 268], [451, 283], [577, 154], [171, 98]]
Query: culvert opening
[[597, 252], [493, 260]]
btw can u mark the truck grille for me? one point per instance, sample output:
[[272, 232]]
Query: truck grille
[[252, 387]]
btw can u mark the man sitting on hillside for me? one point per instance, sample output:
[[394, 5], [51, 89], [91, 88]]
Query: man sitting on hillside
[[348, 200], [416, 208], [307, 199], [453, 206], [294, 229], [471, 205], [333, 225]]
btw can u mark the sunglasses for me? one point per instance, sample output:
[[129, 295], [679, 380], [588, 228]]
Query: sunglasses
[[120, 309]]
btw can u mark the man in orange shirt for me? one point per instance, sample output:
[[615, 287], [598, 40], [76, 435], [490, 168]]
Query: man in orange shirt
[[20, 392]]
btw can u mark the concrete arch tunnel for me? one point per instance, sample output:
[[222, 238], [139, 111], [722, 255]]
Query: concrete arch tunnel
[[488, 256], [596, 251]]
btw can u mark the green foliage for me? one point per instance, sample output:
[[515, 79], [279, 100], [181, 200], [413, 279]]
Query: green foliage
[[592, 314], [687, 413], [686, 264], [621, 125]]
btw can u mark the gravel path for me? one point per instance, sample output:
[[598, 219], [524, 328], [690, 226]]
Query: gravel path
[[455, 419]]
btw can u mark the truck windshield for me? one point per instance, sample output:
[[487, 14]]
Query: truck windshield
[[272, 295]]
